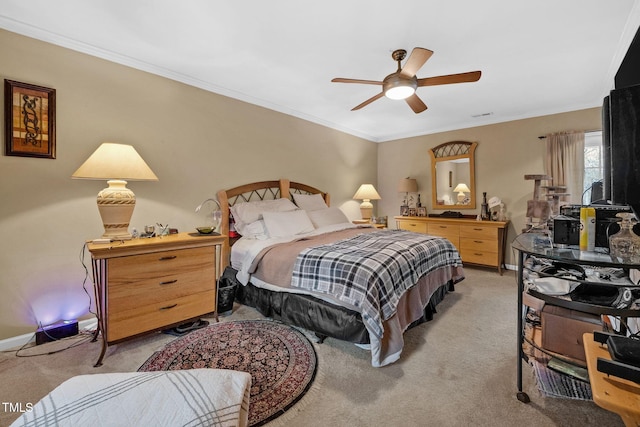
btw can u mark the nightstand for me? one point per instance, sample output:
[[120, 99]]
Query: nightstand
[[145, 285], [364, 221]]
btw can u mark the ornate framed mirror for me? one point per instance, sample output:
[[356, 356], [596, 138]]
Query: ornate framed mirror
[[453, 184]]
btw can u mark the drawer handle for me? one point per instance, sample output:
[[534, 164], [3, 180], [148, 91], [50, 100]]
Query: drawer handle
[[478, 229], [166, 258], [478, 241], [168, 307], [478, 254], [442, 226], [168, 282], [413, 225]]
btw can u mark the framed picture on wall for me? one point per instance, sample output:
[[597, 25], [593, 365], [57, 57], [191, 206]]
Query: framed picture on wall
[[30, 120]]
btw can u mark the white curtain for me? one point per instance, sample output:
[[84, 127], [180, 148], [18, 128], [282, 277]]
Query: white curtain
[[564, 163]]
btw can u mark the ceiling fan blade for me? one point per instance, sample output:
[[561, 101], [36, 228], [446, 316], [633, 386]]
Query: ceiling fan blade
[[472, 76], [416, 104], [368, 101], [366, 82], [418, 57]]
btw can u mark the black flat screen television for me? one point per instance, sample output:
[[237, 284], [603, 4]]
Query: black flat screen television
[[621, 144]]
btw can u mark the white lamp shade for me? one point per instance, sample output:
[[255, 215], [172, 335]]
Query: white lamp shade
[[408, 185], [366, 192], [115, 161], [461, 188]]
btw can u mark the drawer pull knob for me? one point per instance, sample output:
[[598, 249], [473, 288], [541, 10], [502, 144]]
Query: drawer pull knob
[[168, 282], [166, 258], [168, 307]]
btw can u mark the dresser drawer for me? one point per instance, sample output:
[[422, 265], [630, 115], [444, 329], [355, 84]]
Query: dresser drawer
[[131, 269], [144, 318], [479, 257], [478, 245], [127, 295], [415, 226], [479, 232]]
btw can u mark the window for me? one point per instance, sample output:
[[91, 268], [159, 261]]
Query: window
[[593, 165]]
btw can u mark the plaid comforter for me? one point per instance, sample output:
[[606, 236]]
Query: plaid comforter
[[371, 271]]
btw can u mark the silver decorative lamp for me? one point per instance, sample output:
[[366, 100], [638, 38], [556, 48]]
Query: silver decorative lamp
[[117, 163], [366, 193]]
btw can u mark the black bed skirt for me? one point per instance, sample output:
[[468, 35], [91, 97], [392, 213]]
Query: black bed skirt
[[316, 315]]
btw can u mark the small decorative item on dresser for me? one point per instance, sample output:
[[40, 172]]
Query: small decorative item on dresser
[[422, 211], [484, 212], [404, 210]]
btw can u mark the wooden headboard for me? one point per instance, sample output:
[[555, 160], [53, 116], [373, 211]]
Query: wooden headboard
[[263, 190]]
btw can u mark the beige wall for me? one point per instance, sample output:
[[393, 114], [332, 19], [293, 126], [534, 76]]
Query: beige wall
[[505, 153], [196, 142]]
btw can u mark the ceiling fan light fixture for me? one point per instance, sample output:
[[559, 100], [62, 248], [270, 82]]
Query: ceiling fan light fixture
[[396, 87], [399, 92]]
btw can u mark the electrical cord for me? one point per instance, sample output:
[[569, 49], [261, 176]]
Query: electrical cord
[[86, 277], [86, 336]]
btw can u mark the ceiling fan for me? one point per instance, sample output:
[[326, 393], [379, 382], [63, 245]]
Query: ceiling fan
[[403, 83]]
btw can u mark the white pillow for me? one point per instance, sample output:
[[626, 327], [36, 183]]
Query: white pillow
[[255, 230], [248, 212], [309, 202], [328, 216], [283, 224]]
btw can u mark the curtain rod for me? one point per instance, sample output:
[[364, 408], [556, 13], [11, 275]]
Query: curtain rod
[[586, 131]]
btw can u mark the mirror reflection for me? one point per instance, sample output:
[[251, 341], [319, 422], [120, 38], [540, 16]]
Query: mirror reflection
[[452, 176]]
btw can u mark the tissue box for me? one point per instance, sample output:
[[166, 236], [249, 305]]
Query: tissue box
[[562, 330]]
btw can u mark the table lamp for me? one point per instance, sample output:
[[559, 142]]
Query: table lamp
[[116, 163], [461, 189], [407, 185], [366, 193]]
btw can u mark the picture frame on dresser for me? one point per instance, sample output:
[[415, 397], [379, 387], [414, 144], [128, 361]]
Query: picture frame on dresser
[[421, 211], [30, 120]]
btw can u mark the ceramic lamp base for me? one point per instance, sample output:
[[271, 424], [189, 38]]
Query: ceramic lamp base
[[116, 204]]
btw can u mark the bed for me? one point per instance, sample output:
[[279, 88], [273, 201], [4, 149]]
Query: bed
[[296, 259]]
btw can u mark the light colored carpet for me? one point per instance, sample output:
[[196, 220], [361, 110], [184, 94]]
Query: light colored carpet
[[458, 370]]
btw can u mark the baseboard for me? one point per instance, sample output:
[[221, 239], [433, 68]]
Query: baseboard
[[20, 340]]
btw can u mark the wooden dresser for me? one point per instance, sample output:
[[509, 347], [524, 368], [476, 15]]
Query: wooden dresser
[[144, 285], [479, 242]]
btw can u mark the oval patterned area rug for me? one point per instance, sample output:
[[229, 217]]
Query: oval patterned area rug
[[281, 360]]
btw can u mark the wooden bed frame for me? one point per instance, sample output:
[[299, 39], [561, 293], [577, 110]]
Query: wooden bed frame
[[263, 190]]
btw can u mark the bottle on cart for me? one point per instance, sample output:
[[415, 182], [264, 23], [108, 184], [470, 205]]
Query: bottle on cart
[[484, 211], [625, 244]]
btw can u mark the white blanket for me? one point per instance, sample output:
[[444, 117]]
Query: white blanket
[[196, 397]]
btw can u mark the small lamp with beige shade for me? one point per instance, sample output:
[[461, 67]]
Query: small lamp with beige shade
[[116, 163], [366, 193]]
